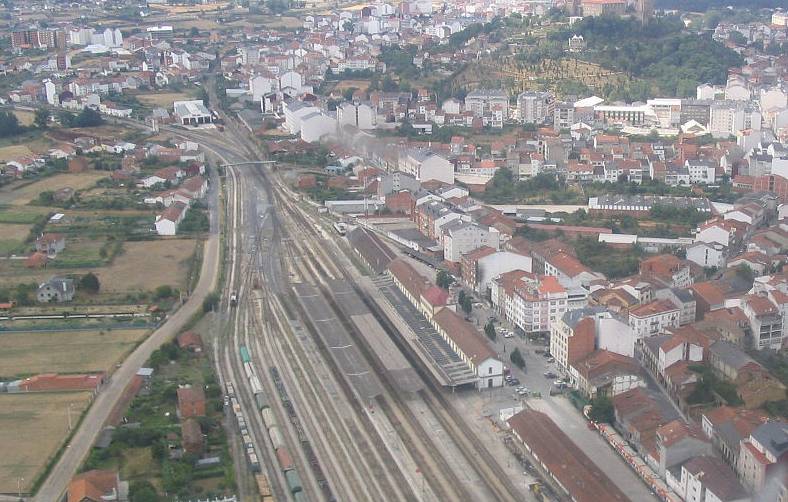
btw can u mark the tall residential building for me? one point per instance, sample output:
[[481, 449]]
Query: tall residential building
[[484, 101], [534, 107]]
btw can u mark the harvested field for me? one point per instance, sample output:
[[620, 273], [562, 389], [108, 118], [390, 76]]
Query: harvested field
[[163, 100], [13, 151], [31, 352], [25, 118], [24, 194], [33, 426], [347, 84], [145, 265], [141, 266], [14, 232]]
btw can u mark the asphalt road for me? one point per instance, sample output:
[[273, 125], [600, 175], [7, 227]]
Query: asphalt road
[[78, 449]]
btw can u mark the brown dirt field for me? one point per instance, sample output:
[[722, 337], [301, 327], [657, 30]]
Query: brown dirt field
[[30, 352], [33, 426], [14, 232], [184, 9], [11, 152], [163, 99], [200, 24], [144, 266], [347, 84], [270, 22], [25, 118], [23, 195]]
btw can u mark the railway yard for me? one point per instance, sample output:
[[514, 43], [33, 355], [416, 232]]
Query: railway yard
[[327, 401]]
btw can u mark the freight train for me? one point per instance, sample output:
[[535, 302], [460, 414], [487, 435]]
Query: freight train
[[294, 484]]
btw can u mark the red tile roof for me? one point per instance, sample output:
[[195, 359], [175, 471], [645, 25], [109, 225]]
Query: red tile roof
[[577, 473], [467, 338]]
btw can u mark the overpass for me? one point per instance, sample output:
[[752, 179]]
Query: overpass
[[249, 163]]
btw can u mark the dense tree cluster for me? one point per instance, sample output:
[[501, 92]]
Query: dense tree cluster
[[660, 52]]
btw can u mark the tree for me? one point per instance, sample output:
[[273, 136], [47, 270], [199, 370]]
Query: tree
[[176, 476], [461, 297], [467, 305], [194, 32], [602, 410], [489, 330], [517, 358], [88, 117], [163, 292], [444, 279], [90, 283], [9, 125], [210, 302], [41, 119]]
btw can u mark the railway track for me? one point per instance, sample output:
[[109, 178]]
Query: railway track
[[344, 434], [315, 263], [498, 485]]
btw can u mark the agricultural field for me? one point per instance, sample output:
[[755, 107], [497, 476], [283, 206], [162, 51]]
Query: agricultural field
[[25, 118], [20, 195], [11, 152], [162, 99], [81, 351], [145, 265], [33, 427], [12, 237], [186, 9], [270, 22], [138, 267], [348, 84]]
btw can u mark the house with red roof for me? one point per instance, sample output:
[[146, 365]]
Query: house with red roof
[[191, 402], [167, 222], [97, 486]]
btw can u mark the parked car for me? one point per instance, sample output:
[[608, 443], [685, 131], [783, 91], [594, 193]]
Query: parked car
[[514, 382], [550, 375], [508, 334], [550, 359]]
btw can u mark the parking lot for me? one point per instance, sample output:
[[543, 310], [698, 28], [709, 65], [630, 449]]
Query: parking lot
[[536, 364]]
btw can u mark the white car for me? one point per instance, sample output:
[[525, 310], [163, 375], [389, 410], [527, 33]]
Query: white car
[[508, 334]]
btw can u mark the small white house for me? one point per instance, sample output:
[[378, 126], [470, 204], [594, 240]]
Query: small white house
[[168, 221]]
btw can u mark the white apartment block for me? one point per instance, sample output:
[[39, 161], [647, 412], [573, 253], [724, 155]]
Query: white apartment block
[[654, 318]]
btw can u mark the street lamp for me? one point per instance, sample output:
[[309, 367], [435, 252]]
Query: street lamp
[[19, 487], [69, 416]]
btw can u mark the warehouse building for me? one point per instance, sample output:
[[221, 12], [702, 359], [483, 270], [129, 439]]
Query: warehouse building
[[192, 112], [562, 460]]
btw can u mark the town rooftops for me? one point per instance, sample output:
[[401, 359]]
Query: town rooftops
[[731, 355], [487, 94], [576, 473], [411, 280], [572, 317], [93, 486], [435, 296], [173, 213], [656, 307], [568, 264], [760, 305], [465, 336], [717, 477], [603, 365], [194, 107], [773, 436], [678, 430]]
